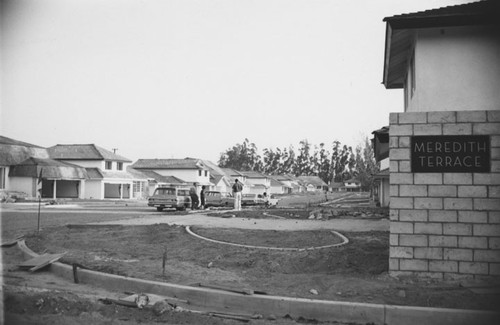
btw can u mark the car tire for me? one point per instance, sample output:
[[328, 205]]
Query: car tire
[[159, 209]]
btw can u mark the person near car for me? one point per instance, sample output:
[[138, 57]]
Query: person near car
[[202, 197], [237, 188], [266, 199], [193, 193]]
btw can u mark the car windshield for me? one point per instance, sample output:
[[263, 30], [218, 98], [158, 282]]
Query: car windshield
[[165, 191], [183, 192]]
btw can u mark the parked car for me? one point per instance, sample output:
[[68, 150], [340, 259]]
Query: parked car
[[218, 199], [258, 199], [170, 197]]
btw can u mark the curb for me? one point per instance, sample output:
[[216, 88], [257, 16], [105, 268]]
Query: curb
[[321, 310]]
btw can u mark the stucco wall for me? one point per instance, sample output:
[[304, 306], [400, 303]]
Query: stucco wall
[[444, 225], [457, 69]]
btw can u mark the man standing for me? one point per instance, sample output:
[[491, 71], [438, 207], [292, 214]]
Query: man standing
[[237, 188], [193, 193]]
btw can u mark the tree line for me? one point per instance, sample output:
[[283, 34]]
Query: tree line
[[334, 163]]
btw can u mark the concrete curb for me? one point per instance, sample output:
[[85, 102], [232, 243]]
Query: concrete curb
[[321, 310]]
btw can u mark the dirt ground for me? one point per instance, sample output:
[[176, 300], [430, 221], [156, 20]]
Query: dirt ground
[[353, 272]]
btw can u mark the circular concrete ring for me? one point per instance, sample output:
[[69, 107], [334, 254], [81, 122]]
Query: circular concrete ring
[[344, 241]]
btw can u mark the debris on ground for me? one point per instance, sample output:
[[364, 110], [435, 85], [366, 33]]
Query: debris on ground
[[40, 261]]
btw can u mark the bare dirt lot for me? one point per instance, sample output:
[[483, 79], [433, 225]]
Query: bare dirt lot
[[353, 272]]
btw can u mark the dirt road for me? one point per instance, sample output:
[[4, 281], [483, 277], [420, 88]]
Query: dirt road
[[202, 220]]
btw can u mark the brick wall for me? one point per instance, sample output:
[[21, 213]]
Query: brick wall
[[444, 225]]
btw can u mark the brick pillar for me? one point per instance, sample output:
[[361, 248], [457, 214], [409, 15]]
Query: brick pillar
[[444, 225]]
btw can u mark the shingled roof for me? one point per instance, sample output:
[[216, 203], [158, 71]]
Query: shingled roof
[[13, 152], [475, 13], [83, 152], [47, 168], [187, 163]]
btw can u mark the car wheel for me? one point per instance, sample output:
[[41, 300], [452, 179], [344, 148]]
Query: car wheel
[[159, 209]]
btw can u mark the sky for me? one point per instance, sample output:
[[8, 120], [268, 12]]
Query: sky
[[192, 78]]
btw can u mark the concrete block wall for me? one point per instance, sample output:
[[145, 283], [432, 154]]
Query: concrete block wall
[[444, 225]]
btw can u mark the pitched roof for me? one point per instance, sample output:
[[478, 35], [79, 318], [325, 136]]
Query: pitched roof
[[13, 142], [83, 152], [275, 182], [47, 168], [13, 152], [399, 32], [187, 163], [314, 180], [97, 173], [475, 13], [163, 179], [231, 172], [253, 174]]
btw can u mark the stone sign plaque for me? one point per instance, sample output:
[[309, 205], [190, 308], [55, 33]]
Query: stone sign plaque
[[450, 154]]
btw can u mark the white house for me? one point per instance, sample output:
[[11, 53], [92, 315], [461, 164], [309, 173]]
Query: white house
[[233, 175], [107, 172], [258, 183], [313, 183], [277, 187], [188, 170], [380, 143], [445, 59], [27, 168], [444, 148], [352, 185]]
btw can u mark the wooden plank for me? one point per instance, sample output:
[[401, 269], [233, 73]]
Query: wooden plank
[[34, 261], [40, 261], [54, 258]]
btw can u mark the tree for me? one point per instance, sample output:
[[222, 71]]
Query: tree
[[303, 163], [324, 164], [366, 166], [340, 162], [242, 157]]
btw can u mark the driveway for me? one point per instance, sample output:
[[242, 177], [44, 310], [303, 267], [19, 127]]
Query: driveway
[[196, 219]]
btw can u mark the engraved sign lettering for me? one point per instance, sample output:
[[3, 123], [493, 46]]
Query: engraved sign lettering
[[450, 154]]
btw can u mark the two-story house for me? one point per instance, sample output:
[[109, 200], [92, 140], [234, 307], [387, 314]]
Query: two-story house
[[28, 169], [258, 183], [380, 144], [444, 148], [107, 172], [188, 170]]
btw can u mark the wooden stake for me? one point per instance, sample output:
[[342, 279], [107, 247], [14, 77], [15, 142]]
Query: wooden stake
[[164, 261]]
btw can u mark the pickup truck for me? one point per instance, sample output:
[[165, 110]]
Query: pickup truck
[[170, 197]]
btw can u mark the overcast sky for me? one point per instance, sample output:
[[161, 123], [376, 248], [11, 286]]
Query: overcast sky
[[191, 78]]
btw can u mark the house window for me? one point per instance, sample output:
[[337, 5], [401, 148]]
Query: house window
[[119, 165], [199, 172], [206, 173], [137, 187], [109, 165], [2, 177]]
